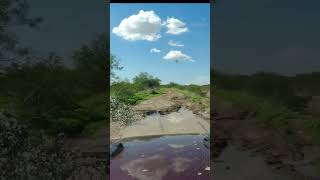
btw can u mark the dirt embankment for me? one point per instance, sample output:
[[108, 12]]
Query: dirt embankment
[[292, 152], [171, 101]]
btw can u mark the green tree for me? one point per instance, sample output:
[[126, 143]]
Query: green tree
[[146, 81], [114, 66], [14, 14], [123, 91], [93, 63]]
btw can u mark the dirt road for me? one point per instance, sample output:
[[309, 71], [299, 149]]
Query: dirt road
[[181, 122], [171, 113]]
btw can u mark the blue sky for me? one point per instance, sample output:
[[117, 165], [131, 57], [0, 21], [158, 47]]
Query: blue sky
[[189, 26]]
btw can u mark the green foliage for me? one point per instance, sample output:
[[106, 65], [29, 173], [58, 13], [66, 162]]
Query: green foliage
[[313, 126], [69, 122], [123, 91], [144, 87], [173, 85], [67, 125], [14, 13], [267, 111], [292, 92], [145, 95], [114, 66], [196, 89], [145, 81], [92, 127], [239, 99], [129, 93], [274, 116], [92, 64], [195, 97], [48, 95], [96, 105]]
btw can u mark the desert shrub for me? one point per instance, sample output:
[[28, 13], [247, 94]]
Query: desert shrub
[[173, 85], [69, 122], [94, 102], [274, 116], [123, 91], [284, 90], [145, 81], [144, 95], [119, 112], [91, 128], [67, 125], [25, 156], [196, 89]]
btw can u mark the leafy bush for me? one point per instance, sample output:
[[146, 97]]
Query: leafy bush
[[123, 91], [283, 89], [91, 128], [145, 81], [67, 125], [68, 122], [145, 95], [274, 116]]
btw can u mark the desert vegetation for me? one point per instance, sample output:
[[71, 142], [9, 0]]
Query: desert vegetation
[[43, 102], [276, 101]]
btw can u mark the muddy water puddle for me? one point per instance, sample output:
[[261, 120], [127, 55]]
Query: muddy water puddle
[[162, 158], [180, 122]]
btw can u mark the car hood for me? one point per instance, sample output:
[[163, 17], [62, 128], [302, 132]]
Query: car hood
[[162, 157]]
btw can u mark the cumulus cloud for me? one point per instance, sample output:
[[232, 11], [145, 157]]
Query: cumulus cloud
[[145, 25], [176, 44], [136, 168], [155, 50], [177, 56], [175, 26], [181, 164]]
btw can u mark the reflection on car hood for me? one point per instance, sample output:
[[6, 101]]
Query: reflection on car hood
[[165, 157]]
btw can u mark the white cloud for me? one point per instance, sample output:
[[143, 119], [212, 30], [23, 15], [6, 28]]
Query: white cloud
[[136, 168], [175, 26], [145, 25], [176, 56], [155, 50], [176, 44]]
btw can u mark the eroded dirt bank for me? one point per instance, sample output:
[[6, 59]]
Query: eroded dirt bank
[[171, 101]]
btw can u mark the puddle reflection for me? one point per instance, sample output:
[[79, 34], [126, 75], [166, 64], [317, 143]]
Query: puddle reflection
[[164, 157]]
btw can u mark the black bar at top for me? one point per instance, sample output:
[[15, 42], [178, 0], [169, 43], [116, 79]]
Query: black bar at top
[[160, 1]]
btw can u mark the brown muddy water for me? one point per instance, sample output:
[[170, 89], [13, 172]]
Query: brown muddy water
[[235, 164], [183, 121], [162, 158]]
